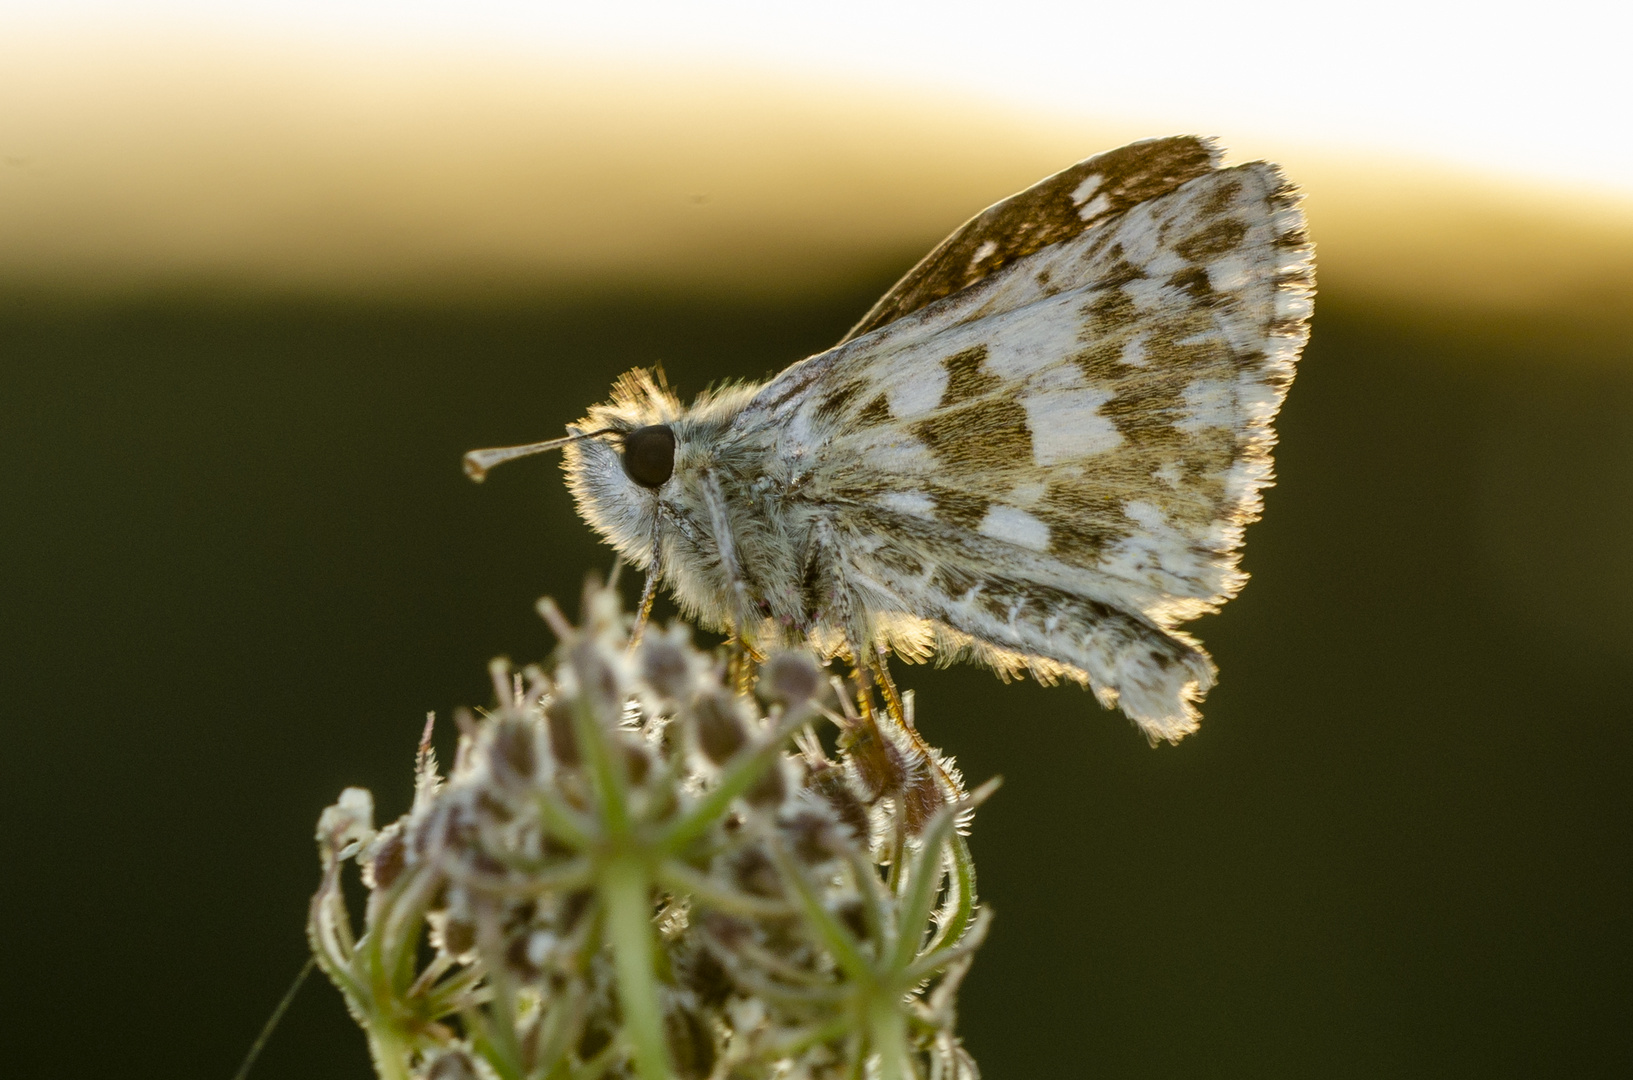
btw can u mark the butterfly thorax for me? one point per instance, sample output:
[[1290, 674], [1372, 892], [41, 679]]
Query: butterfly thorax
[[735, 540]]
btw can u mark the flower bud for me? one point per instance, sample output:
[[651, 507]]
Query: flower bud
[[770, 789], [387, 857], [519, 954], [512, 753], [830, 783], [665, 664], [854, 916], [816, 837], [558, 718], [691, 1044], [451, 934], [349, 824], [600, 682], [752, 872], [790, 677], [718, 720], [921, 798], [637, 764], [881, 768]]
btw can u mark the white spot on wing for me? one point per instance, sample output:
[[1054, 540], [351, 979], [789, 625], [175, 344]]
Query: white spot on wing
[[1060, 377], [915, 503], [1139, 235], [900, 455], [1094, 207], [1292, 304], [1090, 185], [1015, 526], [983, 252], [1161, 556], [1209, 403], [1067, 424], [920, 392], [1152, 294], [1034, 338], [1134, 352], [1256, 401], [1229, 273]]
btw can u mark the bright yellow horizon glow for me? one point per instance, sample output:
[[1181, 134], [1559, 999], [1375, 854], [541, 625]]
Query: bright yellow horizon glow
[[136, 164], [1521, 90]]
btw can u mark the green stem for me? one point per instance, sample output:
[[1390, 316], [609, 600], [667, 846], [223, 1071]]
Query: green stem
[[390, 1053], [272, 1021], [626, 892], [887, 1030], [599, 748], [676, 875], [501, 1060]]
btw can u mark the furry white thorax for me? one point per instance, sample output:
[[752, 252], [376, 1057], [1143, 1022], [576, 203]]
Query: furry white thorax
[[1041, 457]]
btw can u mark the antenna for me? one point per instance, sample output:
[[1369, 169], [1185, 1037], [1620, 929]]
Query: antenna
[[478, 462]]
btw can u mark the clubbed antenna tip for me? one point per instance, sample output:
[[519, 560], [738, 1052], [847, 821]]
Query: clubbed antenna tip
[[479, 462]]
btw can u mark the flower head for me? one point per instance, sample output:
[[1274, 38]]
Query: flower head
[[635, 869]]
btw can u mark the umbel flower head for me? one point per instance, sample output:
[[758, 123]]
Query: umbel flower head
[[645, 863]]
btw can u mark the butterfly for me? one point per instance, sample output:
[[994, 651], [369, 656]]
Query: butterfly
[[1038, 450]]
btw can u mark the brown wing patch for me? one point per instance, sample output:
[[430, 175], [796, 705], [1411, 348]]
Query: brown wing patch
[[1219, 200], [967, 376], [1120, 273], [1052, 210], [1109, 313], [1083, 521], [1149, 402], [978, 437], [1193, 282], [1215, 238], [959, 509], [877, 412], [834, 402]]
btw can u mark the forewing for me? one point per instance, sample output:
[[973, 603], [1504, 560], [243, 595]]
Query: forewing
[[1051, 211]]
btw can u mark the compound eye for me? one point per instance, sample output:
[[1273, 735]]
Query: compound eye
[[649, 455]]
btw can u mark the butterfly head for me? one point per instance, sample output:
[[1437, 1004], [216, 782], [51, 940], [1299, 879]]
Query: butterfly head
[[619, 461]]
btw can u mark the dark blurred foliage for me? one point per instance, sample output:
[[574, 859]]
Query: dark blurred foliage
[[240, 563]]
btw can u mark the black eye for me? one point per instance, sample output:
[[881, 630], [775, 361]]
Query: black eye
[[649, 455]]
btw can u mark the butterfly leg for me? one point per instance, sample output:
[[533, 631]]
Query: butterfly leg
[[890, 755], [726, 547], [649, 588], [887, 687], [903, 717], [742, 661]]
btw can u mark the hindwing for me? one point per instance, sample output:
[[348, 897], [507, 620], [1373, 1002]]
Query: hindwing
[[1045, 441]]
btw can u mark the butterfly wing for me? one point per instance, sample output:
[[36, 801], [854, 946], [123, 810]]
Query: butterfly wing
[[1051, 211], [1044, 453]]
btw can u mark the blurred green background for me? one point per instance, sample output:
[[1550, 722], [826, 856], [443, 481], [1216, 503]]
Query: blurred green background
[[239, 563]]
